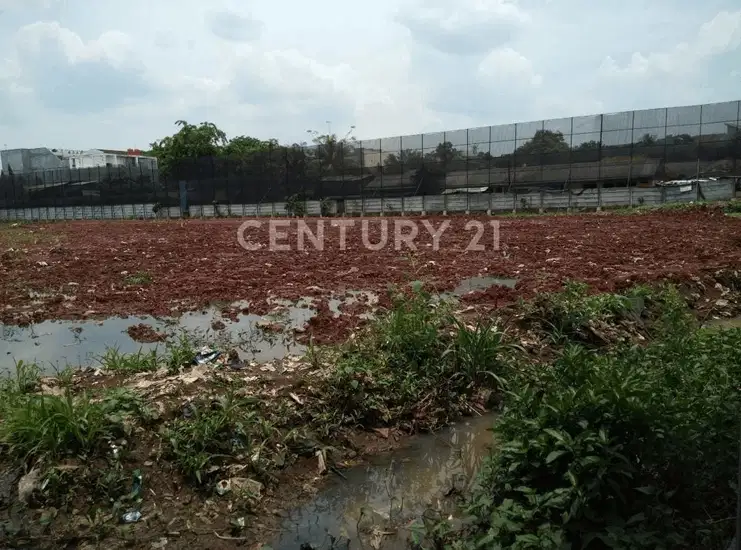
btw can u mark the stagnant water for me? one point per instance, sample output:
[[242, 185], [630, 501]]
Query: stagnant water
[[381, 499], [54, 345]]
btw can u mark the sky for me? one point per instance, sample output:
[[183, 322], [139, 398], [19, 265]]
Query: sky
[[103, 74]]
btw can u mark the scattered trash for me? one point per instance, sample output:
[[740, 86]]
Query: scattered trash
[[223, 487], [242, 485], [206, 355], [238, 523], [189, 409], [28, 484], [131, 517], [322, 462], [42, 264], [296, 398]]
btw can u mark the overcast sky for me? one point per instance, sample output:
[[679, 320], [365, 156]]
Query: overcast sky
[[82, 73]]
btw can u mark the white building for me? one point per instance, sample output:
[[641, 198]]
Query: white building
[[93, 158], [41, 158]]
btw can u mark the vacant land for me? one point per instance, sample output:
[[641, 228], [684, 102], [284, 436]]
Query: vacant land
[[88, 269], [619, 396]]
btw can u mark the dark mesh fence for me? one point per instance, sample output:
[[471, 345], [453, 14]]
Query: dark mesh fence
[[614, 150]]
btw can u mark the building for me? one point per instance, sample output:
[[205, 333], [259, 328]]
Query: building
[[28, 160], [94, 158], [20, 161]]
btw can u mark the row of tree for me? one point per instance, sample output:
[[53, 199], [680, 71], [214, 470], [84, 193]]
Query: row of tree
[[204, 147]]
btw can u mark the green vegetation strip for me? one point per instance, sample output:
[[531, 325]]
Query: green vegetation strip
[[633, 447], [623, 433]]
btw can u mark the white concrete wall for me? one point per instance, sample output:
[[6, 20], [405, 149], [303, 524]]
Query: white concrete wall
[[498, 202]]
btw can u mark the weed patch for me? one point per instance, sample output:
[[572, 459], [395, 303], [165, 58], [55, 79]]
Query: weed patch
[[68, 425], [140, 278], [214, 433], [415, 366], [630, 448], [129, 363]]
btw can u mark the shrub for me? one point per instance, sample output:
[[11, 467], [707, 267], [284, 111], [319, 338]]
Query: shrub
[[631, 449]]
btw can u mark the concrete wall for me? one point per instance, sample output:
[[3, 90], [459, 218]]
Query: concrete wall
[[478, 203]]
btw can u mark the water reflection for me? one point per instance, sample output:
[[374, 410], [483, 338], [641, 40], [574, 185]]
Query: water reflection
[[53, 345], [391, 491]]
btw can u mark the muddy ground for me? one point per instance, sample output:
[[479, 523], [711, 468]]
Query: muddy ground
[[73, 270], [96, 269]]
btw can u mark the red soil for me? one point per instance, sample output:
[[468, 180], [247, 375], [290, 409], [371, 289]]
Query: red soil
[[197, 262]]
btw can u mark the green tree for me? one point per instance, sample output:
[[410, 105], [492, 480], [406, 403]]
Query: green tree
[[543, 142], [408, 159], [332, 152], [244, 146], [190, 142], [646, 140], [444, 154], [590, 145]]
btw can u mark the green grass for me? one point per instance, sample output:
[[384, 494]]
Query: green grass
[[140, 278], [129, 363], [36, 426], [215, 433], [414, 366], [180, 353]]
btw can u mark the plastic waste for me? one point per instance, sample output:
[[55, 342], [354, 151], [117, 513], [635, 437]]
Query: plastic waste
[[206, 355], [136, 487], [131, 517]]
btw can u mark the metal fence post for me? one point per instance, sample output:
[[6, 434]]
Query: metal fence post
[[183, 191]]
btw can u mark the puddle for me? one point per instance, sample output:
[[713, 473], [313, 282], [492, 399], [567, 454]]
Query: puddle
[[391, 491], [53, 345], [473, 284], [353, 297]]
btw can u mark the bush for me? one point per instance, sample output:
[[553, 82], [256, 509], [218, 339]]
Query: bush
[[416, 365], [66, 425], [631, 449]]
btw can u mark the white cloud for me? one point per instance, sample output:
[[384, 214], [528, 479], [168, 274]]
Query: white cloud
[[81, 74], [462, 26], [506, 67], [235, 27], [720, 35]]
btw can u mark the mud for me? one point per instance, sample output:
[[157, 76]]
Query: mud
[[145, 334], [196, 263]]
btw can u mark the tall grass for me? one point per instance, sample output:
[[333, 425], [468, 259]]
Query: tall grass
[[415, 365]]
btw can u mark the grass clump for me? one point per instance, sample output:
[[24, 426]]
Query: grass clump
[[129, 363], [213, 433], [179, 353], [54, 426], [577, 315], [140, 278], [633, 448], [416, 366]]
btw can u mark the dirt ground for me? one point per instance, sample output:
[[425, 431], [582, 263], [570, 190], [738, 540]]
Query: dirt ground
[[73, 270]]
